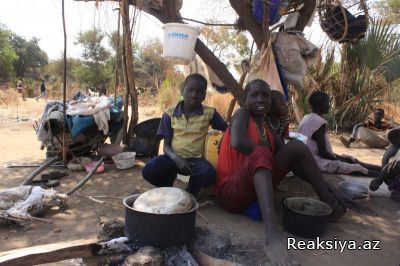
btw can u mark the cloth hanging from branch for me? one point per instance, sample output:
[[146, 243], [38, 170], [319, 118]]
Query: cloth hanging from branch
[[264, 67]]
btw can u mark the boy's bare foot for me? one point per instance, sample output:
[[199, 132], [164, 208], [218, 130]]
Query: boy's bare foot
[[276, 251]]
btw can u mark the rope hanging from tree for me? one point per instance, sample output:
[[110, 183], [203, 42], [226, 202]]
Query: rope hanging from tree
[[341, 25]]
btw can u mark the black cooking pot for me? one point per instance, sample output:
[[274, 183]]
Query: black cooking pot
[[158, 230], [144, 146], [147, 128], [305, 217]]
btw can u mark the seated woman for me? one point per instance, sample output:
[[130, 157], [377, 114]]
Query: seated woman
[[314, 127], [253, 159], [390, 173]]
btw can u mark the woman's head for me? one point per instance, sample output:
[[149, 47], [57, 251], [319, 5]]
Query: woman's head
[[319, 102], [279, 107], [257, 97]]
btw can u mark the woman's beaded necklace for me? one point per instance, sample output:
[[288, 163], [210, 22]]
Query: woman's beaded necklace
[[261, 132], [272, 126]]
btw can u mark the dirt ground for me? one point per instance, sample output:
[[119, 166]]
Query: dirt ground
[[378, 219]]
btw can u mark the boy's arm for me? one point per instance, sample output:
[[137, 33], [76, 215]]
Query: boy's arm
[[181, 163], [238, 129], [165, 131], [319, 137]]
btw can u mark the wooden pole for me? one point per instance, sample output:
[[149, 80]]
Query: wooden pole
[[117, 59], [81, 248], [64, 149], [126, 91], [37, 171], [89, 175], [128, 62], [233, 101]]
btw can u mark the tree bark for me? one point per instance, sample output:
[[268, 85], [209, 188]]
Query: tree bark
[[305, 14], [129, 67], [246, 16]]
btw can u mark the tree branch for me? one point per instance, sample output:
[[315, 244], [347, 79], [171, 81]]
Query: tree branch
[[220, 70], [305, 14], [246, 16]]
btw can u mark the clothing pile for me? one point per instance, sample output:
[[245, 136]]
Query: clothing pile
[[53, 113], [99, 107], [17, 203], [294, 54], [96, 116]]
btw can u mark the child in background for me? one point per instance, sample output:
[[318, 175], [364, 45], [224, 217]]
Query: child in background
[[315, 127]]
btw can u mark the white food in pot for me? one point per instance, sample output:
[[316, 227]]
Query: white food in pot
[[164, 200]]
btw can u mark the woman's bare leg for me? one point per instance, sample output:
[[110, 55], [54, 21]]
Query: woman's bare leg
[[275, 247], [297, 157]]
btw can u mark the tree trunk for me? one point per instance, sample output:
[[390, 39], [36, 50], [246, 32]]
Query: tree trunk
[[129, 67], [305, 14]]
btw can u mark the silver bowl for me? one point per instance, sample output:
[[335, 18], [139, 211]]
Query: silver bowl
[[353, 190]]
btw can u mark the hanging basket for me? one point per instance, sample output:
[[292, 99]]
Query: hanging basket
[[343, 24]]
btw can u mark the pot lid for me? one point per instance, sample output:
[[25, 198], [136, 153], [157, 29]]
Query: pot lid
[[164, 200]]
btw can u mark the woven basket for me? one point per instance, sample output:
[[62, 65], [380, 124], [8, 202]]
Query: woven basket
[[124, 160]]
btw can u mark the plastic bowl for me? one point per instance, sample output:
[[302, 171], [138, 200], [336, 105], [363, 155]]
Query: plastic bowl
[[89, 167], [124, 160], [353, 190]]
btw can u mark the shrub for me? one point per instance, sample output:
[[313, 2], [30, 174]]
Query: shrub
[[168, 95]]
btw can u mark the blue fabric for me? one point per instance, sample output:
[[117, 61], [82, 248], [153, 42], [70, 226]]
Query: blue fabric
[[221, 89], [253, 211], [282, 79], [78, 124], [162, 172], [258, 12]]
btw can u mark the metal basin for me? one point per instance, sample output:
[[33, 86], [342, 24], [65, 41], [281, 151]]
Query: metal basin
[[305, 217], [158, 230]]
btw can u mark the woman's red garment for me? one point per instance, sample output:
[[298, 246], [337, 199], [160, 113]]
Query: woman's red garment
[[234, 188]]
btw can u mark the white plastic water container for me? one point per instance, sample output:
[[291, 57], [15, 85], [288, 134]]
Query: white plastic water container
[[179, 42]]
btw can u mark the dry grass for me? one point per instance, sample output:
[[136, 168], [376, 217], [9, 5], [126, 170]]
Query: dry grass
[[10, 100], [167, 96]]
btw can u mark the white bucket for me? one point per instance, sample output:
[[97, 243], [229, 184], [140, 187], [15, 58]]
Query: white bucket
[[179, 42]]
